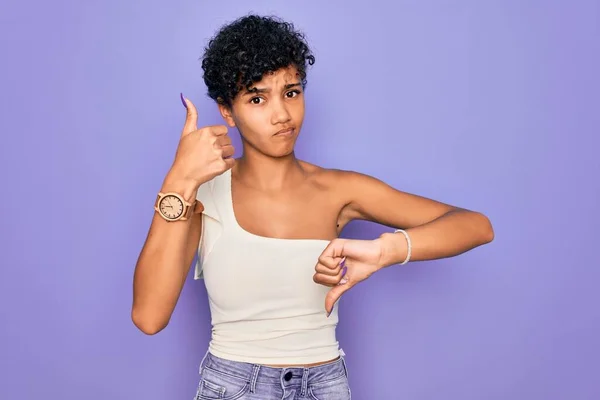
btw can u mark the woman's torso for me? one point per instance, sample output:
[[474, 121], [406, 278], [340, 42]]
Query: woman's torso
[[257, 257]]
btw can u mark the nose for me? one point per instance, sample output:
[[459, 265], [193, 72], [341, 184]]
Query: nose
[[280, 114]]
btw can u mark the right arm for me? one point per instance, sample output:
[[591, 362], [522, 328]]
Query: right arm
[[164, 263], [170, 247]]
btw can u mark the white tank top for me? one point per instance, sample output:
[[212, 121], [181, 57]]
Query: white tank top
[[265, 307]]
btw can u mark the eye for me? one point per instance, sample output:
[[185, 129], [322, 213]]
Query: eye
[[292, 93], [256, 100]]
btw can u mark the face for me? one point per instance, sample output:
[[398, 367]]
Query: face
[[269, 116]]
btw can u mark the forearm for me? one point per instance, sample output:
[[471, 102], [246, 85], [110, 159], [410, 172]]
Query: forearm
[[164, 263], [452, 234]]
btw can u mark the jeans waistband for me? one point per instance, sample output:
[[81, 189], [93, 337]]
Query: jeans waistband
[[279, 376]]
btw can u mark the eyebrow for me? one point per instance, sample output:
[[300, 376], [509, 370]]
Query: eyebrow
[[255, 90]]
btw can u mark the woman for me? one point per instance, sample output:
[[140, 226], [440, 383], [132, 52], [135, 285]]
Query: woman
[[266, 228]]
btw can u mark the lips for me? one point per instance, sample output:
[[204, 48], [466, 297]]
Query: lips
[[286, 131]]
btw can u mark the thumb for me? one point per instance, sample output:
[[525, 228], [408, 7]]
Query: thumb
[[191, 118], [333, 296]]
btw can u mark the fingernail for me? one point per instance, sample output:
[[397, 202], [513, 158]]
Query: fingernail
[[343, 280], [332, 307], [183, 100]]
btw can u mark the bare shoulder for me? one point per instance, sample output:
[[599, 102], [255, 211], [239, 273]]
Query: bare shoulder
[[330, 178], [337, 185], [338, 180], [366, 197]]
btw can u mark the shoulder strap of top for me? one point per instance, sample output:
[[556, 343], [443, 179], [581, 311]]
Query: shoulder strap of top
[[208, 195], [214, 196]]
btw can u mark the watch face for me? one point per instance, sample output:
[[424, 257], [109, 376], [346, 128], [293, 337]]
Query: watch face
[[171, 206]]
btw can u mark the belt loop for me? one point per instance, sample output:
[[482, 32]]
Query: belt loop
[[304, 388], [254, 378], [344, 365], [202, 362]]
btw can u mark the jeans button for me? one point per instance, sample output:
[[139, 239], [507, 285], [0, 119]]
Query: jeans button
[[288, 375]]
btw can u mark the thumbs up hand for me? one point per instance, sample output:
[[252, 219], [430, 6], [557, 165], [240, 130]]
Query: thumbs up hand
[[202, 153]]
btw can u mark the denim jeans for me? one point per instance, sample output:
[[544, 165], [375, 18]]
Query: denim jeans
[[232, 380]]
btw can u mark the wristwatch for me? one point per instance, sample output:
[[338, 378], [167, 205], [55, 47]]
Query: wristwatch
[[173, 207]]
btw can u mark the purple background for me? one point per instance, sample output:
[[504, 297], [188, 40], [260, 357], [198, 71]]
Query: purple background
[[489, 105]]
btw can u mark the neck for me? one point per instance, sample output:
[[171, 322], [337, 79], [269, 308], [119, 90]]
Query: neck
[[268, 173]]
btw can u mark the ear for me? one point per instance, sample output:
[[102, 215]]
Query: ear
[[227, 114]]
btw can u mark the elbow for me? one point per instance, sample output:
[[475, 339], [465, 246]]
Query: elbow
[[150, 325]]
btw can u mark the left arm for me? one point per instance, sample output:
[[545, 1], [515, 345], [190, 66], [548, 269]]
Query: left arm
[[436, 230]]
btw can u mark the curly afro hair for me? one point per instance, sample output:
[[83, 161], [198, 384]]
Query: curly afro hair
[[242, 52]]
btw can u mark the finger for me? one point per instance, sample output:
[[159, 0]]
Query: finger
[[333, 296], [219, 130], [322, 269], [229, 162], [326, 280], [325, 276], [331, 262], [191, 117], [332, 255], [329, 270], [227, 151], [223, 140]]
